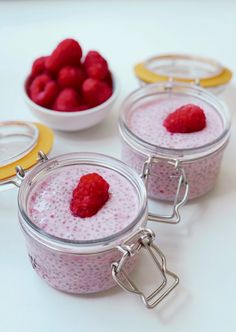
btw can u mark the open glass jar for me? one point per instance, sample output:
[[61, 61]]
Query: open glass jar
[[202, 71], [88, 256], [178, 165]]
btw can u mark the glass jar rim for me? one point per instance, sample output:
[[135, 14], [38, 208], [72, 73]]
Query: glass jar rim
[[87, 246], [165, 152]]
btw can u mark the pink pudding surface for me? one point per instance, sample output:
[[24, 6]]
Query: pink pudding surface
[[49, 209], [145, 120], [49, 205]]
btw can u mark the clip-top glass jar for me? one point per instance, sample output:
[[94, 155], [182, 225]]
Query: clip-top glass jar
[[88, 255], [179, 165], [202, 71]]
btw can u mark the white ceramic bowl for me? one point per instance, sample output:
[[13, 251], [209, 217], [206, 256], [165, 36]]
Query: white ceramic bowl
[[73, 121]]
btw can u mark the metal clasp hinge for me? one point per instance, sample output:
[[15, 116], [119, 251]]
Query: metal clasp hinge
[[42, 156], [174, 217], [144, 239], [20, 172]]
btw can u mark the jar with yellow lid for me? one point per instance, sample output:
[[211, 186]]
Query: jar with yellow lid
[[176, 166]]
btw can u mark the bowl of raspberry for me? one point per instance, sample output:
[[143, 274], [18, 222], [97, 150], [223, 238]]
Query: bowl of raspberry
[[70, 92]]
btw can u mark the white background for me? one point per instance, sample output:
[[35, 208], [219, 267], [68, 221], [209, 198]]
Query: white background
[[202, 249]]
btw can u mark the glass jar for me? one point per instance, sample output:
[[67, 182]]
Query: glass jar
[[202, 71], [174, 173], [88, 266]]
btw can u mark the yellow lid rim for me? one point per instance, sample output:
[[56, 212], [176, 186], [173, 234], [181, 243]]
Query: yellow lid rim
[[44, 143]]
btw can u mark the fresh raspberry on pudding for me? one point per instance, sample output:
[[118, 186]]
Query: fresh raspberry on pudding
[[186, 119], [90, 195]]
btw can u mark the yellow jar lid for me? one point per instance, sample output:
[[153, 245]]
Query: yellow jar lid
[[183, 68], [21, 142]]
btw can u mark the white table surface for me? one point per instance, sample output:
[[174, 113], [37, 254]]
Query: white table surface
[[202, 249]]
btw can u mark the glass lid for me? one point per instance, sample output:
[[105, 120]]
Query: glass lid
[[20, 143], [16, 140], [183, 68]]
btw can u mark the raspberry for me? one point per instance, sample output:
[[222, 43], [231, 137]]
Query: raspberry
[[97, 71], [71, 77], [28, 83], [186, 119], [68, 100], [95, 65], [67, 52], [82, 107], [89, 196], [108, 79], [92, 57], [95, 92], [43, 90], [38, 66]]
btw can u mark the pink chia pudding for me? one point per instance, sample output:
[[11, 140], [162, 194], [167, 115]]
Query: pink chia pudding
[[144, 120], [49, 205], [49, 210]]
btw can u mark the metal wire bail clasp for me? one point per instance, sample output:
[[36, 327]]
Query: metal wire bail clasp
[[21, 172], [42, 156], [144, 239], [174, 217]]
